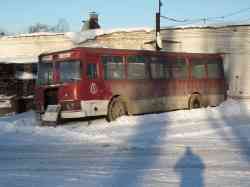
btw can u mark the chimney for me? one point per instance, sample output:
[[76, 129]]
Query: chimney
[[92, 22]]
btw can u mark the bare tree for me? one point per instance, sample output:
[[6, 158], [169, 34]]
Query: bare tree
[[61, 26], [3, 32], [39, 27]]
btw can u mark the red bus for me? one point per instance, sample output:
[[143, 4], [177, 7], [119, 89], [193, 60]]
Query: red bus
[[112, 82]]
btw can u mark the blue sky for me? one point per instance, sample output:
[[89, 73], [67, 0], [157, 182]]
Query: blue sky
[[17, 15]]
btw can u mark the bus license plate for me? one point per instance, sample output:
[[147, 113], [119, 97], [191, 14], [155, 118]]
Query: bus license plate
[[51, 113]]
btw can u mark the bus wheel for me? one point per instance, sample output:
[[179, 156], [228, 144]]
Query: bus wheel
[[195, 101], [116, 109]]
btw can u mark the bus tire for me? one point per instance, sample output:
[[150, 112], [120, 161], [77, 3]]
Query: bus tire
[[195, 101], [116, 109]]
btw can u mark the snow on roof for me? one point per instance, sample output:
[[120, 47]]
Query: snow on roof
[[80, 37], [205, 26], [27, 52], [24, 59], [34, 34]]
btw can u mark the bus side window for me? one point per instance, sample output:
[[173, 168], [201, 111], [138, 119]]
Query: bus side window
[[214, 70], [114, 67], [198, 69], [137, 68], [92, 71], [179, 68], [159, 68]]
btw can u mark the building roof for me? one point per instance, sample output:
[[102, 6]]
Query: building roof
[[25, 48]]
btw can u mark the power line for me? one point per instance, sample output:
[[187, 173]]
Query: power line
[[173, 19], [235, 13], [205, 19]]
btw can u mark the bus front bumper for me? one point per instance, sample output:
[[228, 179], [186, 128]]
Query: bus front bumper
[[88, 108], [72, 114]]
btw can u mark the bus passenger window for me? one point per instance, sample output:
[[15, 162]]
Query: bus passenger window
[[137, 68], [214, 70], [92, 71], [198, 71], [179, 69], [159, 68], [70, 71], [114, 68]]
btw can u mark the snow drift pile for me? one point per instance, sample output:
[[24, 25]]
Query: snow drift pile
[[118, 131]]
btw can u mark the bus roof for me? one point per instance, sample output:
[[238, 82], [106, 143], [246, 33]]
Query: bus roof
[[131, 52]]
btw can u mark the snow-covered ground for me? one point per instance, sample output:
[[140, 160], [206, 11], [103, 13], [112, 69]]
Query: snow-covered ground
[[203, 147]]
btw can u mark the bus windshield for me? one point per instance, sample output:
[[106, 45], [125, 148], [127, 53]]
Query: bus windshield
[[69, 71], [45, 73]]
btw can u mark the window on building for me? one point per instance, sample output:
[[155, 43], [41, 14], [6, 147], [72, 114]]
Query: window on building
[[114, 68], [137, 68], [92, 71]]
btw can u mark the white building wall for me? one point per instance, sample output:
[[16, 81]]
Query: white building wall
[[27, 48], [233, 41]]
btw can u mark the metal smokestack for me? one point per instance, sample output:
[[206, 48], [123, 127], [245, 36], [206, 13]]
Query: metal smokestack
[[92, 22]]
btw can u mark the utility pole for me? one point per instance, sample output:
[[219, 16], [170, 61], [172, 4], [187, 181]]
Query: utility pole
[[158, 27]]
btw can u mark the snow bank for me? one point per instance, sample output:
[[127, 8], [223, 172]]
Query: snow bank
[[230, 108], [28, 125], [103, 132]]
